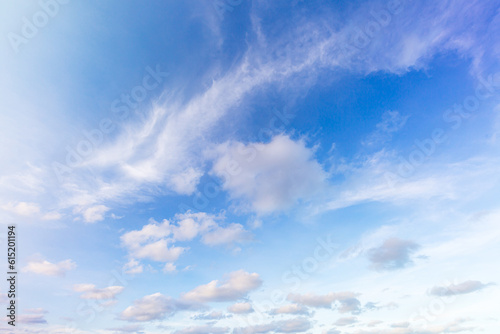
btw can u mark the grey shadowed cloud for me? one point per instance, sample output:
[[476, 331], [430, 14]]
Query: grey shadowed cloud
[[459, 289], [393, 254]]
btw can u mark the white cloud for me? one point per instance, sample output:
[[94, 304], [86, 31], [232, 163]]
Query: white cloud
[[157, 241], [240, 308], [162, 150], [169, 268], [185, 182], [22, 208], [151, 307], [94, 213], [271, 176], [53, 215], [47, 268], [157, 251], [238, 285], [133, 267], [89, 291]]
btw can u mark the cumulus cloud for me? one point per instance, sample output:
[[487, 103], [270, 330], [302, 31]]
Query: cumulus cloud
[[156, 241], [151, 307], [133, 267], [22, 208], [93, 213], [271, 176], [347, 301], [158, 306], [240, 308], [89, 291], [458, 289], [47, 268], [393, 254], [238, 284]]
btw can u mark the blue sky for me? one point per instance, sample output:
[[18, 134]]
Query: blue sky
[[236, 166]]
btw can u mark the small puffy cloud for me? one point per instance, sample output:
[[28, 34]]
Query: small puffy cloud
[[206, 329], [238, 285], [151, 307], [346, 321], [53, 215], [43, 267], [458, 289], [240, 308], [158, 251], [157, 241], [93, 214], [393, 254], [347, 301], [169, 268], [290, 309], [89, 291], [133, 267], [272, 176], [27, 209]]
